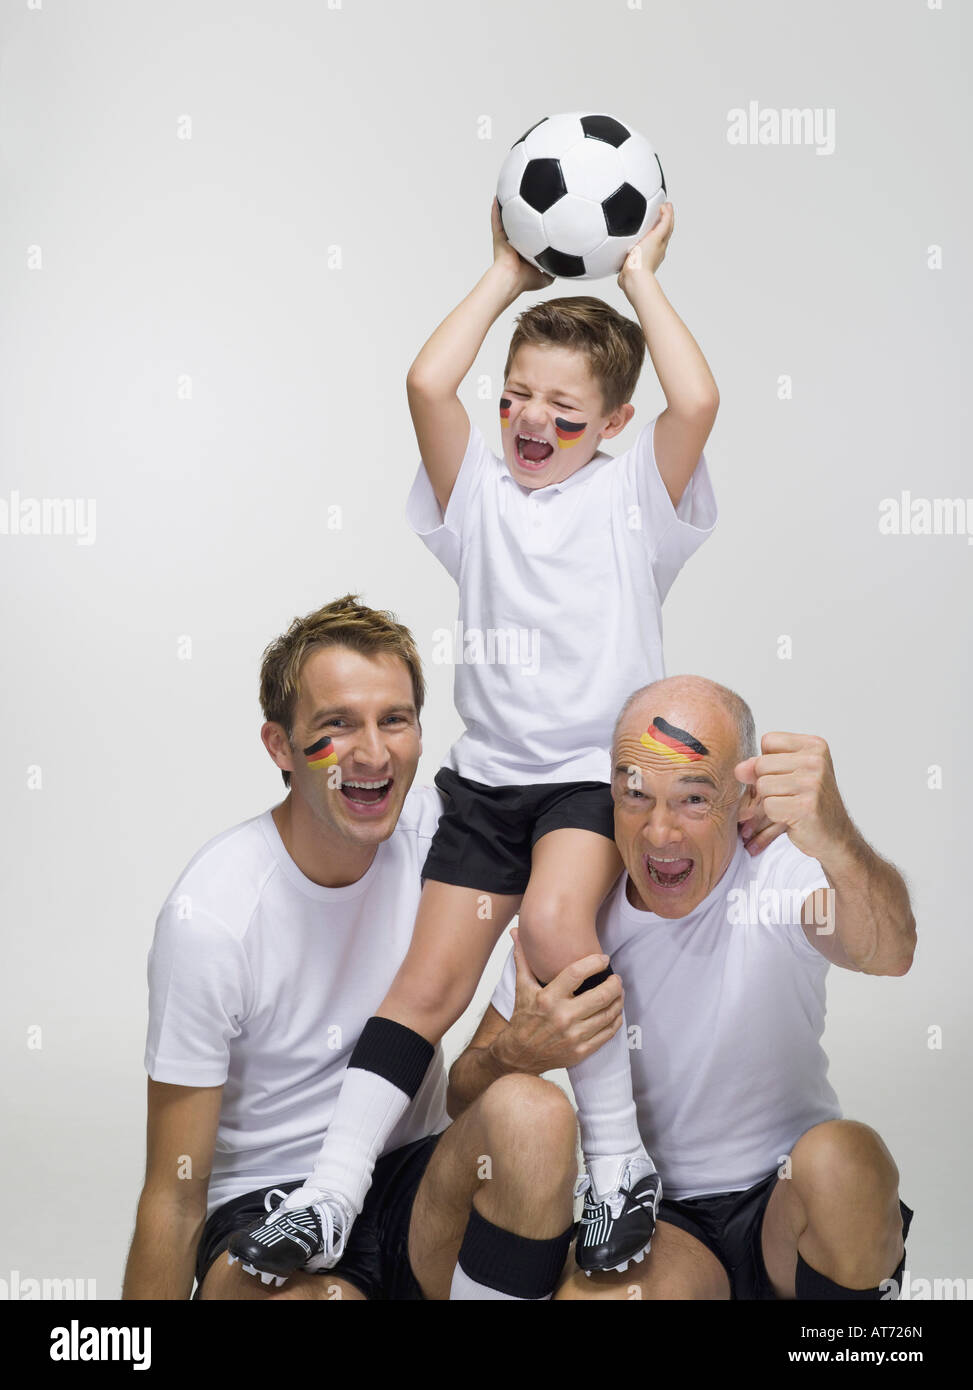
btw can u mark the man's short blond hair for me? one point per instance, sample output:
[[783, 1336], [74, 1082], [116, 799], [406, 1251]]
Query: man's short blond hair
[[344, 623]]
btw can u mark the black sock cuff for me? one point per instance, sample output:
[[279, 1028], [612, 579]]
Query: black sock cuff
[[810, 1285], [391, 1050], [593, 981], [514, 1265]]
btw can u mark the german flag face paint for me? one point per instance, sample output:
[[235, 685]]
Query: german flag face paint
[[568, 432], [321, 754], [504, 411], [673, 744]]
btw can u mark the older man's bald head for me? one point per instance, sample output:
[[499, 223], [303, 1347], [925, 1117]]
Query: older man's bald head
[[692, 702]]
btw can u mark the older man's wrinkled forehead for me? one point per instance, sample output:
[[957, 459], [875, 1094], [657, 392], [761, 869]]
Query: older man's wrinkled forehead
[[669, 732]]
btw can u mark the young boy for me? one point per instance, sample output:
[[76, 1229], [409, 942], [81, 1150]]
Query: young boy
[[563, 556]]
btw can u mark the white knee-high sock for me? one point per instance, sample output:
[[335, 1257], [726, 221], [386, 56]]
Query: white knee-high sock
[[385, 1071], [602, 1086]]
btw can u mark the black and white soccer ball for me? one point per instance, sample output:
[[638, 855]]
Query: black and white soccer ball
[[576, 193]]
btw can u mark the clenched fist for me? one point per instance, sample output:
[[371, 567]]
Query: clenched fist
[[796, 788]]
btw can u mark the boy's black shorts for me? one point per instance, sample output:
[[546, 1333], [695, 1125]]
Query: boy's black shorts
[[729, 1224], [486, 834], [376, 1258]]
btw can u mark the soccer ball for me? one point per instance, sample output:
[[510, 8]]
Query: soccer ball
[[576, 193]]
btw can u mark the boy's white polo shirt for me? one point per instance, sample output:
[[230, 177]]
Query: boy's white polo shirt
[[560, 603]]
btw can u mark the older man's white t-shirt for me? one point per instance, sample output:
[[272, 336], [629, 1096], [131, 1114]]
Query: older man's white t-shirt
[[725, 1008], [560, 603]]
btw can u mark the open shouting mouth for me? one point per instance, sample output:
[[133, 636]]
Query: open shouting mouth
[[532, 450], [367, 798], [668, 874]]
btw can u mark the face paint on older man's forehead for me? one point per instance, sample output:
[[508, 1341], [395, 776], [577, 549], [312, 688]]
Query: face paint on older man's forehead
[[321, 754], [671, 743], [504, 411], [568, 432]]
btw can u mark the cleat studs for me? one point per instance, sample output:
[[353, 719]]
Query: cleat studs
[[278, 1280], [266, 1278], [249, 1269], [639, 1258], [231, 1259]]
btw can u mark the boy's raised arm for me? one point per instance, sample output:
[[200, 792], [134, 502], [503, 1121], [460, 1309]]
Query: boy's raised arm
[[441, 423], [692, 399]]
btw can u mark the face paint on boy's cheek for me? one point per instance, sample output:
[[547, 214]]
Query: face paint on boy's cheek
[[321, 754], [504, 412], [568, 432]]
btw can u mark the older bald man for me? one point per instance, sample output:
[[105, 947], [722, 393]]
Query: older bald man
[[723, 937]]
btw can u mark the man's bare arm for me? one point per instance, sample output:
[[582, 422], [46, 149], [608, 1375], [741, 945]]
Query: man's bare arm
[[864, 920], [180, 1138], [477, 1067]]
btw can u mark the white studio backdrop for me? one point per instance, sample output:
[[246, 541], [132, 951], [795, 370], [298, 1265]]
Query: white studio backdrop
[[228, 227]]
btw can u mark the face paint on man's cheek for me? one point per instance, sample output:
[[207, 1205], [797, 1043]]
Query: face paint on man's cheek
[[568, 432], [504, 412], [675, 745], [321, 754]]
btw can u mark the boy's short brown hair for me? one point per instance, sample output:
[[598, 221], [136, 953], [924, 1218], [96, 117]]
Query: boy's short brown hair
[[612, 344], [344, 623]]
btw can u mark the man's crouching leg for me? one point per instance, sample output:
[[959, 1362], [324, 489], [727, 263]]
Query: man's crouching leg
[[833, 1229], [492, 1217]]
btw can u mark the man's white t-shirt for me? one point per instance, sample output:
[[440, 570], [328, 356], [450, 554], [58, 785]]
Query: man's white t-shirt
[[560, 598], [261, 981], [729, 1003]]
